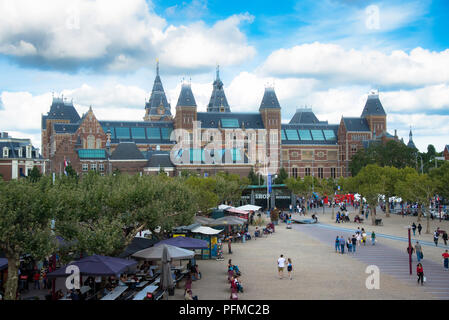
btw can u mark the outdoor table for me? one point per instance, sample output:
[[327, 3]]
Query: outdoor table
[[115, 293], [142, 284], [142, 294]]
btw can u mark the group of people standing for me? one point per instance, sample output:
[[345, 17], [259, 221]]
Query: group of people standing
[[359, 238]]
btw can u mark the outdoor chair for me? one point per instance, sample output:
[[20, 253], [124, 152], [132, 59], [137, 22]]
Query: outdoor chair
[[378, 222]]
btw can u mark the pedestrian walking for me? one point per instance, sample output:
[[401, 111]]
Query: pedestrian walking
[[414, 229], [373, 238], [354, 243], [436, 234], [420, 273], [337, 244], [229, 244], [419, 253], [364, 238], [445, 238], [289, 268], [419, 228], [349, 245], [342, 245], [445, 260], [36, 279], [281, 266], [359, 239]]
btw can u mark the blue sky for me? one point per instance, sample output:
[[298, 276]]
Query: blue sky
[[325, 54]]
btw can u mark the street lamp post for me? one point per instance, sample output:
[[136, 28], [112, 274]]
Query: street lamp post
[[409, 250]]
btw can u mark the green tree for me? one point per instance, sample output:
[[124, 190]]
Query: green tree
[[418, 188], [441, 178], [203, 189], [25, 225], [370, 182], [34, 175], [71, 173], [282, 175], [393, 153]]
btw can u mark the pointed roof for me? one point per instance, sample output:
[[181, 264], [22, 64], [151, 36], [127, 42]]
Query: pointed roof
[[410, 143], [186, 98], [270, 99], [158, 97], [61, 109], [373, 107], [304, 116], [218, 99]]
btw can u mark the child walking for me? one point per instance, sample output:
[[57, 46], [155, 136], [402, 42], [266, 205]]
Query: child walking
[[290, 268]]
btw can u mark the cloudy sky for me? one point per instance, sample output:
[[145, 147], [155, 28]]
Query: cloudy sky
[[323, 54]]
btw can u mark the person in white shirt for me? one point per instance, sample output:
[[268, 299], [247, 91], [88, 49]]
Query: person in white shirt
[[281, 265]]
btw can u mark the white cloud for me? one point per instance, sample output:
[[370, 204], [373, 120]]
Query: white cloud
[[110, 96], [114, 35], [333, 63]]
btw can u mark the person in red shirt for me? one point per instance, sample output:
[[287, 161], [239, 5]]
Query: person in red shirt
[[420, 273], [36, 278], [446, 260]]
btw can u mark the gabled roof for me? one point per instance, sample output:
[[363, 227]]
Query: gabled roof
[[127, 151], [227, 120], [356, 124], [373, 107], [186, 98], [305, 116], [218, 98], [447, 147], [269, 99]]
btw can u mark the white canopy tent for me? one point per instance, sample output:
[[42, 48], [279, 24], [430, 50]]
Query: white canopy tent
[[206, 230], [249, 207], [224, 207]]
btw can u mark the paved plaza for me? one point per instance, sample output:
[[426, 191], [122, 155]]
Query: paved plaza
[[320, 273]]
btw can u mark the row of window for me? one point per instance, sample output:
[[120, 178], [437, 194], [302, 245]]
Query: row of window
[[20, 152], [308, 135], [139, 133], [320, 172], [93, 166]]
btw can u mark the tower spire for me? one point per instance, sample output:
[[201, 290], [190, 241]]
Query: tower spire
[[157, 66], [218, 72]]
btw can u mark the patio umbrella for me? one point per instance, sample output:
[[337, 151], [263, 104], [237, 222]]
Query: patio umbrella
[[166, 278], [136, 245], [97, 266], [185, 242], [155, 253]]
